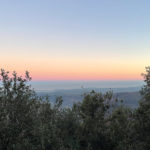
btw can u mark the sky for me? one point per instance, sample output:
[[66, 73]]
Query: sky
[[75, 39]]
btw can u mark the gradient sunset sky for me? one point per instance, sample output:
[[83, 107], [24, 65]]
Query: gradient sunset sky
[[75, 39]]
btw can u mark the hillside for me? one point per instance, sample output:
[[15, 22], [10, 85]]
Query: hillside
[[130, 96]]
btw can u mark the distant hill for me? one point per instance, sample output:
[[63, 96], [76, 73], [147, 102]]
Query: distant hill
[[130, 99], [130, 96]]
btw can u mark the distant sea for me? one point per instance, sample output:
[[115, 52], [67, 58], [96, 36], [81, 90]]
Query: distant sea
[[69, 85]]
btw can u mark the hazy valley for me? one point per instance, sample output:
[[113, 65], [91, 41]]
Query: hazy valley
[[130, 96]]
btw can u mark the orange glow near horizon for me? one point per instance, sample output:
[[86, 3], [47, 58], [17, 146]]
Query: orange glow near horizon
[[86, 76], [46, 68], [82, 73], [75, 72]]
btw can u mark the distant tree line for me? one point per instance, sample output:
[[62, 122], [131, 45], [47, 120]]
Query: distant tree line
[[99, 122]]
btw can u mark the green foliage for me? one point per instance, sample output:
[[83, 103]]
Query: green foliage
[[93, 112], [120, 126], [141, 124], [17, 110], [98, 122]]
